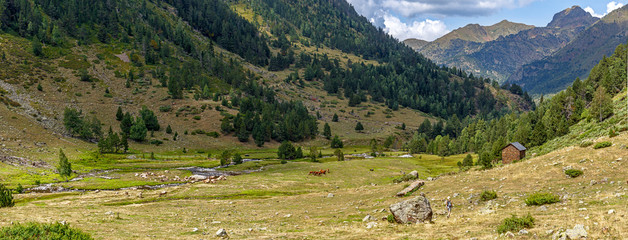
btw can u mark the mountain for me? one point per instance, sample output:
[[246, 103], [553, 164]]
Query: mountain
[[415, 43], [498, 58], [220, 73], [555, 72]]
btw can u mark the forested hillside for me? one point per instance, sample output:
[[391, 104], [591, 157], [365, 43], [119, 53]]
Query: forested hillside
[[559, 70], [582, 103], [214, 55]]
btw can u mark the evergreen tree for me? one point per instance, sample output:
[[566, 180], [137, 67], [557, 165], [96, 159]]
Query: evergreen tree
[[601, 105], [327, 131], [485, 160], [339, 155], [359, 127], [425, 127], [286, 151], [334, 118], [225, 125], [259, 135], [138, 130], [168, 129], [6, 196], [126, 123], [468, 161], [124, 143], [299, 153], [149, 118], [336, 142], [243, 134], [65, 167], [224, 157], [37, 47], [119, 114], [313, 153], [237, 159], [176, 134]]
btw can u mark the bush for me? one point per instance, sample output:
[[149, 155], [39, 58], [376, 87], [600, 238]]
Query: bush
[[602, 145], [213, 134], [196, 118], [586, 144], [165, 108], [573, 172], [390, 218], [156, 142], [6, 197], [542, 199], [42, 231], [488, 195], [404, 178], [514, 224], [19, 188]]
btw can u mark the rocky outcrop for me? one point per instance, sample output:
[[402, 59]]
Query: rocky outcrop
[[413, 187], [415, 210]]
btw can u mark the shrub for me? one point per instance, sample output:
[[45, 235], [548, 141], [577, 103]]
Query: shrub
[[196, 118], [542, 199], [602, 145], [165, 108], [514, 224], [573, 172], [611, 132], [6, 197], [488, 195], [390, 218], [404, 178], [42, 231], [19, 188], [156, 142], [586, 144], [213, 134]]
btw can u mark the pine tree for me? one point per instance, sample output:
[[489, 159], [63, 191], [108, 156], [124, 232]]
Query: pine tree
[[37, 47], [286, 151], [126, 123], [168, 129], [119, 114], [150, 120], [313, 153], [485, 160], [124, 143], [334, 118], [6, 197], [336, 142], [359, 127], [601, 105], [339, 155], [224, 157], [65, 167], [237, 159], [176, 134], [468, 161], [299, 153], [327, 131], [138, 130]]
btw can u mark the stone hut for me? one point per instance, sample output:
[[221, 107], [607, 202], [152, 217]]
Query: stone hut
[[512, 152]]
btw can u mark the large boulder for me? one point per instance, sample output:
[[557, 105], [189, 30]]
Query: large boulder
[[415, 210]]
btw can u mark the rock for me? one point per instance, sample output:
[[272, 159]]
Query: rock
[[523, 232], [198, 177], [330, 195], [367, 218], [413, 187], [455, 195], [287, 215], [577, 232], [542, 208], [194, 229], [414, 210], [414, 174], [371, 225], [509, 235], [611, 211], [430, 178], [548, 232], [221, 233]]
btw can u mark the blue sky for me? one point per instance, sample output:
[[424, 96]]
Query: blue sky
[[430, 19]]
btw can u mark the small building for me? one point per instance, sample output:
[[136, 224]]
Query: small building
[[513, 152]]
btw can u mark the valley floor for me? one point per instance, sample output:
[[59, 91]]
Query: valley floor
[[283, 201]]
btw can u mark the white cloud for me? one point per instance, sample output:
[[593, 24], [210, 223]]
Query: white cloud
[[436, 8], [611, 6], [428, 30]]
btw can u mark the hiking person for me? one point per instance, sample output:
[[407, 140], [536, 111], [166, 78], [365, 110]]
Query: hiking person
[[448, 205]]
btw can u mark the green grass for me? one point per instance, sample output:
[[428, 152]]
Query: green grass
[[42, 231]]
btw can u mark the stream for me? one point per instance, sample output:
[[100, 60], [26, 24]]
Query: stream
[[207, 172]]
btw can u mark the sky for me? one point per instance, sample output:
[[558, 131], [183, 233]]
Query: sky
[[431, 19]]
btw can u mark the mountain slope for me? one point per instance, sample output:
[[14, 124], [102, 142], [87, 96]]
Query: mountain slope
[[557, 71], [500, 57]]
